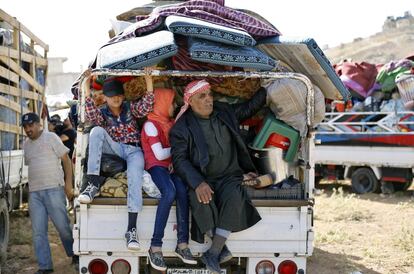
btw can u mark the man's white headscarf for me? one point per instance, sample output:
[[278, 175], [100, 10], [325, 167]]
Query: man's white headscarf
[[192, 89]]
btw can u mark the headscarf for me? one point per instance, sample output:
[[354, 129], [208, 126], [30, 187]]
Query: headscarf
[[191, 89], [164, 98]]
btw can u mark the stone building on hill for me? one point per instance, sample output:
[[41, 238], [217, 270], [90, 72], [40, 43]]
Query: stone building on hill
[[392, 23]]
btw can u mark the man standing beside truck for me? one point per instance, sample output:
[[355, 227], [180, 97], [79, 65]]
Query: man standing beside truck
[[209, 154], [48, 184]]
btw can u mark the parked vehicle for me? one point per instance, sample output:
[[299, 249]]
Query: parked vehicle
[[283, 240], [283, 237], [373, 149], [22, 85]]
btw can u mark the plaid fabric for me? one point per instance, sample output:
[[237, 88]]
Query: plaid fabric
[[210, 11], [122, 129]]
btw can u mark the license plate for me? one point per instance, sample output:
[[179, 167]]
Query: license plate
[[191, 271]]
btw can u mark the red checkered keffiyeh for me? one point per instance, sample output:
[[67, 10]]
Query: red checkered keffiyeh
[[191, 89]]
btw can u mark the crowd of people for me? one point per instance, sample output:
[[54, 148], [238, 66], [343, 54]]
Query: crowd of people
[[191, 159]]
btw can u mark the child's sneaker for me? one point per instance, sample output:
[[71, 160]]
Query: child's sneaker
[[185, 255], [132, 240], [86, 197], [157, 260]]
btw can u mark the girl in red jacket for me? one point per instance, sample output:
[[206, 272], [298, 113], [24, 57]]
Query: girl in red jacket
[[156, 146]]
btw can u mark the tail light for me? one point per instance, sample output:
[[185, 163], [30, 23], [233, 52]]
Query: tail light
[[287, 267], [120, 266], [98, 266], [265, 267]]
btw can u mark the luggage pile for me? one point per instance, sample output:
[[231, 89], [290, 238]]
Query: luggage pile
[[200, 35], [190, 36], [378, 87]]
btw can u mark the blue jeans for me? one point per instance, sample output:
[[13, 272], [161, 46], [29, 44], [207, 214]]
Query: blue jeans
[[100, 142], [43, 204], [171, 188]]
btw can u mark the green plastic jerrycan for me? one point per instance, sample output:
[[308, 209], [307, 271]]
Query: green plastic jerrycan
[[272, 125]]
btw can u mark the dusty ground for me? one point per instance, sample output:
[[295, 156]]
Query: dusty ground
[[368, 233], [355, 234]]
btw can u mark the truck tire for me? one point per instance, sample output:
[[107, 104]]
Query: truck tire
[[4, 230], [363, 180]]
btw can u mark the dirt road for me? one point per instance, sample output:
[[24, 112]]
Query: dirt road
[[369, 234]]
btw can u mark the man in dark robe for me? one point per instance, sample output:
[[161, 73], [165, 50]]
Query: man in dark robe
[[208, 152]]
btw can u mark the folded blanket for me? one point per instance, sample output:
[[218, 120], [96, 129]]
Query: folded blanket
[[209, 11]]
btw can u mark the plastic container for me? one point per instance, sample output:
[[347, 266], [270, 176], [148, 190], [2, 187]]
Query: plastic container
[[405, 84], [272, 125], [277, 140], [270, 161]]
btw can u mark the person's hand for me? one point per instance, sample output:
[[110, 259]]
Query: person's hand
[[87, 74], [204, 193], [250, 175], [148, 79], [69, 191]]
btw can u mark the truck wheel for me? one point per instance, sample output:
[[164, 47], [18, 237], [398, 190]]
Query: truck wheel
[[364, 181], [4, 230]]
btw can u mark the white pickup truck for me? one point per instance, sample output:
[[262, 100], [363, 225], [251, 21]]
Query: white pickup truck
[[13, 183], [373, 149], [280, 242]]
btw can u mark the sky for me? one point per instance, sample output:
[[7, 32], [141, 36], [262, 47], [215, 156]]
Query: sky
[[76, 29]]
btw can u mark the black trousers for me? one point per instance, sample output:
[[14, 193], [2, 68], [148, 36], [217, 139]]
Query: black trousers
[[230, 209]]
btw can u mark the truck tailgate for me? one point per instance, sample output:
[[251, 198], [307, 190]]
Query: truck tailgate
[[281, 230]]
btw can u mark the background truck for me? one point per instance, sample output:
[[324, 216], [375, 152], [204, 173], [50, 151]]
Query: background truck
[[373, 149], [23, 66]]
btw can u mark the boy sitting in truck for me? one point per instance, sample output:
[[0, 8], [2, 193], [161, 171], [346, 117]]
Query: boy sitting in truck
[[116, 132], [209, 154]]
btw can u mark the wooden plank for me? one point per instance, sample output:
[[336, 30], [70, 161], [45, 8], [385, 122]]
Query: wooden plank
[[12, 105], [27, 57], [33, 74], [9, 128], [18, 118], [10, 90], [14, 66], [15, 23], [9, 75]]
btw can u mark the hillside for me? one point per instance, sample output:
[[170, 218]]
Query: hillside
[[380, 48]]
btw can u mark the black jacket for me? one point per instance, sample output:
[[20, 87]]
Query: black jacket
[[189, 149]]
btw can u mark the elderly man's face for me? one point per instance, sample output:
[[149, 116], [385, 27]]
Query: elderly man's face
[[202, 103]]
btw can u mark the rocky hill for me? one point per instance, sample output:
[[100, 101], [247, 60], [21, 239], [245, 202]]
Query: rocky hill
[[395, 42]]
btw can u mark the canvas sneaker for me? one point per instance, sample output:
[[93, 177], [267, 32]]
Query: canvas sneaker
[[131, 238], [157, 260], [185, 255], [212, 262], [225, 255], [90, 192]]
